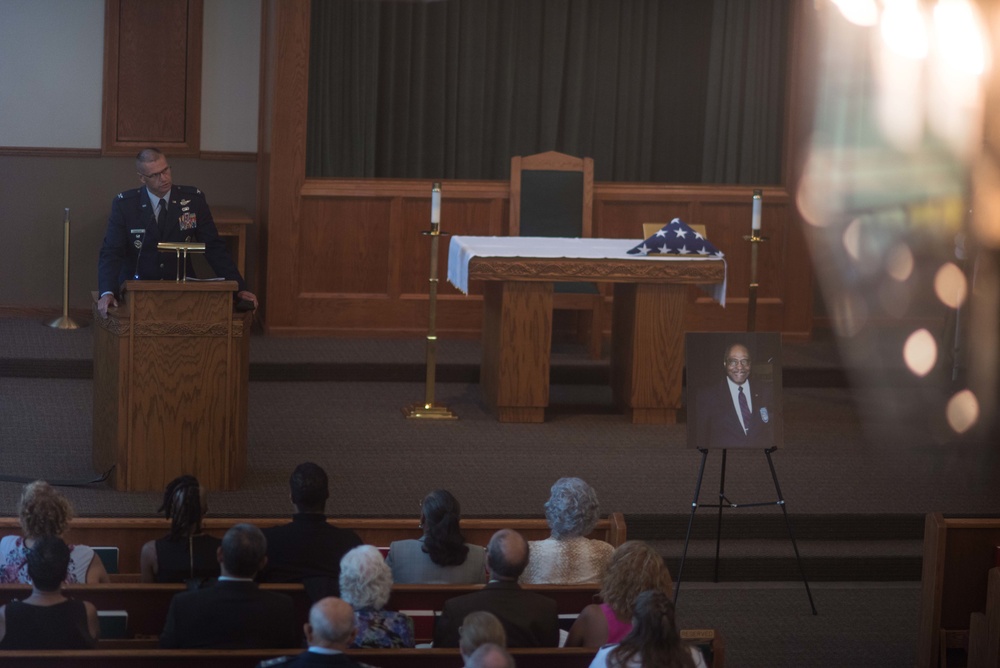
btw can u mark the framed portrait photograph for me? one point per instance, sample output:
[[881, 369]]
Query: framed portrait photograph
[[734, 390]]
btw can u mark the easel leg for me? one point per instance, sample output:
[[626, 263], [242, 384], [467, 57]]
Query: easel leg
[[687, 537], [788, 523], [718, 525]]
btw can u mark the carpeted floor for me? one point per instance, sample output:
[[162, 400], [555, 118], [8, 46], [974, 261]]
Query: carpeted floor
[[858, 473]]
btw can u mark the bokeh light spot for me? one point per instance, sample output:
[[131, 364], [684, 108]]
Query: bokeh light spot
[[950, 285], [962, 411], [920, 352], [899, 262]]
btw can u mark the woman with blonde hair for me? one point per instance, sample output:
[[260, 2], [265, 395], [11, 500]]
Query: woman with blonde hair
[[635, 567], [42, 511]]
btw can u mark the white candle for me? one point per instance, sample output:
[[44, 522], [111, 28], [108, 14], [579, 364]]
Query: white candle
[[755, 221], [436, 203]]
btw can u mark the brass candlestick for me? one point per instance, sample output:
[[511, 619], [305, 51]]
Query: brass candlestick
[[428, 410], [64, 321], [755, 240]]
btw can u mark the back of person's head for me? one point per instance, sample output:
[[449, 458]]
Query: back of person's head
[[365, 578], [42, 511], [331, 623], [654, 636], [48, 560], [183, 504], [310, 487], [490, 656], [634, 568], [244, 549], [572, 509], [479, 628], [443, 540], [507, 555], [147, 155]]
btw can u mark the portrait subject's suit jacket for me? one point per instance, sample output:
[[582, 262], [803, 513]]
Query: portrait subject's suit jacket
[[719, 425], [130, 240], [529, 619]]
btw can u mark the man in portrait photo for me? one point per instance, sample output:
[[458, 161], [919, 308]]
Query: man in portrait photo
[[734, 409]]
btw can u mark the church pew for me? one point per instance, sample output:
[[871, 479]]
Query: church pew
[[574, 657], [130, 533], [958, 554], [147, 604]]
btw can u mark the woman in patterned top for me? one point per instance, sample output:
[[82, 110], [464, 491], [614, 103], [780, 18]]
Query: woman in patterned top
[[365, 583], [42, 511], [568, 556]]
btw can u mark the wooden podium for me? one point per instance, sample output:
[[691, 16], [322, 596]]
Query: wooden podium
[[171, 374]]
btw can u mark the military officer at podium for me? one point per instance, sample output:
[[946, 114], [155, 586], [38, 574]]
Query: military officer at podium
[[158, 211]]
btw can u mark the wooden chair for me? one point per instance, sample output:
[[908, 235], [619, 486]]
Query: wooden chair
[[551, 195]]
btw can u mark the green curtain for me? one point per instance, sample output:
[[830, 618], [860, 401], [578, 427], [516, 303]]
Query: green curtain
[[454, 88]]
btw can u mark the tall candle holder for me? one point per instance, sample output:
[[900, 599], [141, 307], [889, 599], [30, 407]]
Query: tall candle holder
[[65, 321], [428, 410], [755, 240]]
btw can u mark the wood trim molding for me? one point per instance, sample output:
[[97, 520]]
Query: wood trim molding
[[49, 152], [229, 156], [172, 124]]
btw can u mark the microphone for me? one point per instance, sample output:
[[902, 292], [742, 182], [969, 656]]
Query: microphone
[[140, 240]]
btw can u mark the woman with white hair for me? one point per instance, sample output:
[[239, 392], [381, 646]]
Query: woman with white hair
[[365, 583], [567, 556]]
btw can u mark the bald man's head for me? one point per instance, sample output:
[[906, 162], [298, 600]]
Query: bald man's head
[[490, 656], [507, 555], [331, 623]]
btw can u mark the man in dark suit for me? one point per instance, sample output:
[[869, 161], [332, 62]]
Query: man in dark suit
[[529, 619], [309, 548], [736, 413], [329, 633], [158, 211], [234, 613]]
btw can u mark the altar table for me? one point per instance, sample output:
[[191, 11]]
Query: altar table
[[647, 344]]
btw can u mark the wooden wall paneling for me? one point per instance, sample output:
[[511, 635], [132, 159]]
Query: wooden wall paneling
[[286, 92], [152, 76], [344, 247]]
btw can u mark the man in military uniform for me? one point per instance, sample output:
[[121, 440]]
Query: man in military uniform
[[158, 211]]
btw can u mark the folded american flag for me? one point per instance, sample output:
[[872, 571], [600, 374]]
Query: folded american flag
[[676, 238]]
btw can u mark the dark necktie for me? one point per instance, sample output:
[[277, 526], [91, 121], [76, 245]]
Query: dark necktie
[[745, 410], [161, 219]]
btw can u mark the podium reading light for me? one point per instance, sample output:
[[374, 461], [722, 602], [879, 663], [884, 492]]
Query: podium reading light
[[182, 249]]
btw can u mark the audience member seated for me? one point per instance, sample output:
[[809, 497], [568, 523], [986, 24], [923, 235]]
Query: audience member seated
[[233, 613], [185, 553], [568, 556], [634, 568], [441, 556], [365, 583], [47, 619], [42, 511], [529, 619], [479, 628], [490, 656], [654, 640], [329, 631], [308, 549]]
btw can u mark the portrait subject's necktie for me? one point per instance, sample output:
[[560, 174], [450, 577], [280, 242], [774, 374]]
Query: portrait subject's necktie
[[161, 218], [745, 410]]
